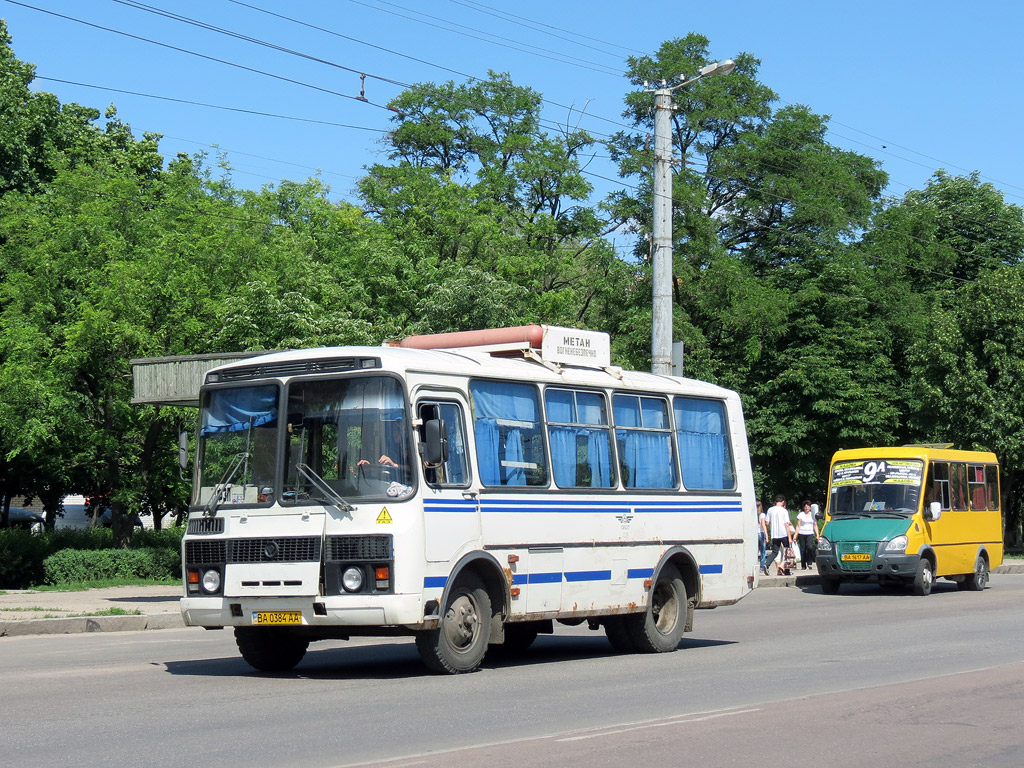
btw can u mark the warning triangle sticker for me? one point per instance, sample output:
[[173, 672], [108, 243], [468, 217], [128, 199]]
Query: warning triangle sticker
[[384, 517]]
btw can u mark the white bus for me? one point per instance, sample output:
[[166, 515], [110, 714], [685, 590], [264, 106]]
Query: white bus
[[468, 490]]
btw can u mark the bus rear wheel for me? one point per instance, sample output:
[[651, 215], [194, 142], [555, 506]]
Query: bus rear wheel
[[460, 640], [976, 581], [618, 634], [270, 649], [660, 628]]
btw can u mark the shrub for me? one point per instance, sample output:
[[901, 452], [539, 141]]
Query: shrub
[[21, 558], [22, 553], [78, 565]]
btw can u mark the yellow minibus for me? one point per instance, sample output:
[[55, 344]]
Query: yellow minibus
[[910, 515]]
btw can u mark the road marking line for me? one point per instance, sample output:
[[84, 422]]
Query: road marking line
[[661, 723]]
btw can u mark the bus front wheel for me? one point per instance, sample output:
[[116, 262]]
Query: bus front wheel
[[660, 628], [829, 586], [270, 649], [460, 640], [924, 578]]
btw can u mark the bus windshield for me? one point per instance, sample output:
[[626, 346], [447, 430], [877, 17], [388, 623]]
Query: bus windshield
[[237, 445], [350, 434], [875, 487]]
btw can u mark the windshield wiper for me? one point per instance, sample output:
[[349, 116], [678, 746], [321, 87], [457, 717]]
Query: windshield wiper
[[220, 490], [321, 485]]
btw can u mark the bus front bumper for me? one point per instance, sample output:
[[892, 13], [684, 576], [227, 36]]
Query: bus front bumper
[[887, 566], [321, 611]]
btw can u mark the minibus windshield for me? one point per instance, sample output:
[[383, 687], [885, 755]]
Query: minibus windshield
[[876, 487]]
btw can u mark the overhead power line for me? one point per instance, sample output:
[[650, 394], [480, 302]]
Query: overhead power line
[[212, 106], [561, 58], [200, 55]]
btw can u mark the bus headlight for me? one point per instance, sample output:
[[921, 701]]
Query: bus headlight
[[352, 579], [824, 544], [211, 581], [897, 544]]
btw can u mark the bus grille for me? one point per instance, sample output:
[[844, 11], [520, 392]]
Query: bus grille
[[371, 547], [205, 552], [305, 549], [857, 548]]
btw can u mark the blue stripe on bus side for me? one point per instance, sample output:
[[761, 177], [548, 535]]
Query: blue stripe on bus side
[[555, 577]]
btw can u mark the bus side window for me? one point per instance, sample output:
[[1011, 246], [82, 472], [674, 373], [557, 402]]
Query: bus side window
[[992, 485], [644, 441], [509, 434], [455, 469], [938, 483], [958, 484], [976, 486], [580, 439]]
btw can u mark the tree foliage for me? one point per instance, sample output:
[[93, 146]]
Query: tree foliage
[[843, 318]]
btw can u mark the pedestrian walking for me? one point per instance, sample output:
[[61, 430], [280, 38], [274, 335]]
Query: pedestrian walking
[[762, 536], [780, 530], [806, 534]]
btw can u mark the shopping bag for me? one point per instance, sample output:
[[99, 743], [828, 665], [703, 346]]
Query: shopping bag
[[789, 558]]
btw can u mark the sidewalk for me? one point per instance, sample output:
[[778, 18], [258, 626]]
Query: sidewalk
[[809, 578], [28, 612]]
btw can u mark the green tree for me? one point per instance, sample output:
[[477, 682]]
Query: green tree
[[478, 185]]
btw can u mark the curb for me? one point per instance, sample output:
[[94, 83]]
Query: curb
[[812, 579], [78, 624]]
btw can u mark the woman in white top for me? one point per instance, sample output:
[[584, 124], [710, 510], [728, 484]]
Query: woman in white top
[[806, 534]]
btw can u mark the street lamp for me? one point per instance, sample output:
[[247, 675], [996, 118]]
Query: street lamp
[[661, 225]]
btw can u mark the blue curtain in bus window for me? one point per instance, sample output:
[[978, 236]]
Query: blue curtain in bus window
[[703, 444], [455, 467], [648, 459], [563, 453], [505, 418], [561, 406], [599, 458], [234, 410]]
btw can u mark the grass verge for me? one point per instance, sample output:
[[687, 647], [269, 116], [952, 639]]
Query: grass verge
[[80, 586]]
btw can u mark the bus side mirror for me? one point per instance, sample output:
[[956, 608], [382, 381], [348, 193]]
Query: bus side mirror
[[816, 511], [435, 442], [934, 512], [183, 449]]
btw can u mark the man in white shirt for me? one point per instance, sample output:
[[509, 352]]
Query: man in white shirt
[[780, 528]]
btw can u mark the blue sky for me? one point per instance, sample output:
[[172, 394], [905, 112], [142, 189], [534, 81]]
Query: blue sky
[[915, 85]]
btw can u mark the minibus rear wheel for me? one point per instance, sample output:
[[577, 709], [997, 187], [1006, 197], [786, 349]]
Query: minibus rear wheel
[[976, 581]]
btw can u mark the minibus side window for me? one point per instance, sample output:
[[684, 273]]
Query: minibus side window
[[976, 486], [992, 485], [938, 484], [958, 484]]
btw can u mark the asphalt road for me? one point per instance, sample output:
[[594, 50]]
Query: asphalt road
[[788, 674]]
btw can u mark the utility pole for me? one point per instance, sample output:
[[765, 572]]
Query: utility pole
[[661, 230], [661, 224]]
